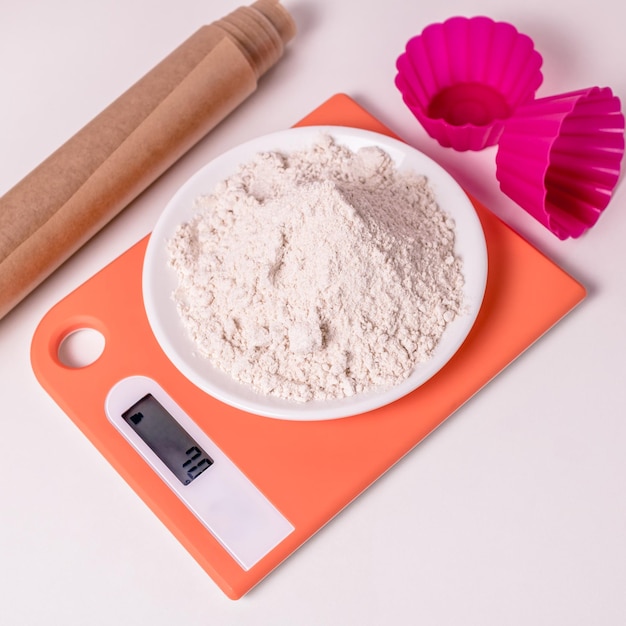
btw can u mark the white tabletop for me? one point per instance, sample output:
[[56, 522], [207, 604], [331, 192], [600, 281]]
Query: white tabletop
[[511, 513]]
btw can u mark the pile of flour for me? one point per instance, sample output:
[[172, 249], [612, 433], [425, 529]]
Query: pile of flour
[[318, 274]]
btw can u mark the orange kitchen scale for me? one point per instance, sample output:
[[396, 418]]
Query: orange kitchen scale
[[269, 484]]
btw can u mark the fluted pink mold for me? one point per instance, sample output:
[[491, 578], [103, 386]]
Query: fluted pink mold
[[559, 158], [464, 77]]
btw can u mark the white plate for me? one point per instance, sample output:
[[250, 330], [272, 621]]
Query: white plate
[[159, 281]]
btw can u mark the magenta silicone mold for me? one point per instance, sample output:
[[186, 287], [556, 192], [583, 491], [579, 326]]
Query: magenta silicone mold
[[560, 157], [464, 77]]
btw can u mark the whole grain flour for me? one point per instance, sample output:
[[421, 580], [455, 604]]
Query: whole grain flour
[[318, 274]]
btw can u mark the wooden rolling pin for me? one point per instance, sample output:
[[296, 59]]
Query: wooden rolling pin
[[78, 189]]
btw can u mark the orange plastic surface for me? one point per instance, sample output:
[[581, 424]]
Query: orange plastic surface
[[309, 470]]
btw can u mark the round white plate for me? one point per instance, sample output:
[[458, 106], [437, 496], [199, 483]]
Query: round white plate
[[159, 281]]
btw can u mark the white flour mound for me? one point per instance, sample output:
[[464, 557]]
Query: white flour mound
[[318, 274]]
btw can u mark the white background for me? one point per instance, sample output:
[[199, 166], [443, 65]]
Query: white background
[[512, 513]]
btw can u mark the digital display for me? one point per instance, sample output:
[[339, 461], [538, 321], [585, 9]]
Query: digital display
[[167, 439]]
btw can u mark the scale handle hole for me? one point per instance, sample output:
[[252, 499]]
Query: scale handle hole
[[81, 347]]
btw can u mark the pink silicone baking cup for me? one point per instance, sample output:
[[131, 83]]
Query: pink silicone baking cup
[[462, 78], [559, 158]]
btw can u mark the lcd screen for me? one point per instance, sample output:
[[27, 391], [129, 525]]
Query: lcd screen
[[167, 439]]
